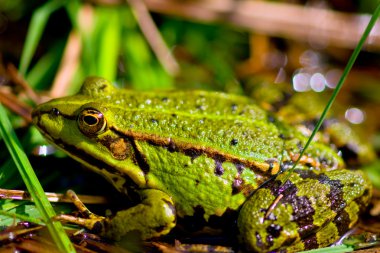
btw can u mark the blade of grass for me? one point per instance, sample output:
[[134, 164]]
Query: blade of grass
[[36, 27], [334, 249], [346, 71], [109, 42], [21, 160]]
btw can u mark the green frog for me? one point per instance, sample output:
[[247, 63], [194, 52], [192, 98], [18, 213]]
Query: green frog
[[184, 151]]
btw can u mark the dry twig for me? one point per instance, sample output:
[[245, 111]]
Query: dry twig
[[153, 36], [313, 25]]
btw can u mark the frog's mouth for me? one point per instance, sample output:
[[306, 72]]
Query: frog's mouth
[[98, 166]]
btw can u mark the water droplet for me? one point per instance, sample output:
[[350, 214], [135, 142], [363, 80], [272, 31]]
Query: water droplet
[[301, 82], [354, 115], [317, 82]]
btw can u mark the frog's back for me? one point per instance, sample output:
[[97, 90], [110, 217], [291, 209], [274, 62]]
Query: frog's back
[[216, 146]]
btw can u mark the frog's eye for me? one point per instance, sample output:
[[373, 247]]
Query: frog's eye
[[91, 122]]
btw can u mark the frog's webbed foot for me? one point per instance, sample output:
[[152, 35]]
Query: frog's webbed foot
[[94, 223], [153, 217]]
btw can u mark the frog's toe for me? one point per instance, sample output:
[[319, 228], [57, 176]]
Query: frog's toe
[[96, 224]]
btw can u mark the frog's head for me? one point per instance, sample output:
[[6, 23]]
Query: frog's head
[[80, 126]]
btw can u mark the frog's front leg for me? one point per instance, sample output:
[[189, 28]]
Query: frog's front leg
[[314, 211], [153, 217]]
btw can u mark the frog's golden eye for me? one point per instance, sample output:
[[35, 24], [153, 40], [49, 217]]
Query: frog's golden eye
[[91, 122]]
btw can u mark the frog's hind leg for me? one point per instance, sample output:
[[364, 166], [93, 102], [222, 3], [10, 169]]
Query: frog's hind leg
[[311, 204], [154, 216], [331, 232], [326, 236]]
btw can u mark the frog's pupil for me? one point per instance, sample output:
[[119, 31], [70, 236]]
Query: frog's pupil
[[90, 120]]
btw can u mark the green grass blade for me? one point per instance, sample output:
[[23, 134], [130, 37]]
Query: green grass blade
[[109, 42], [333, 249], [36, 27], [21, 160], [346, 71]]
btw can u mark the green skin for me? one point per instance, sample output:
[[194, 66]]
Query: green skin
[[184, 150]]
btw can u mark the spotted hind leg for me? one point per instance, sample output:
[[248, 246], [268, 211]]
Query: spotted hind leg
[[311, 205]]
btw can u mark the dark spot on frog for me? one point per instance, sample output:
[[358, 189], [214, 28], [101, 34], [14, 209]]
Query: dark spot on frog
[[234, 142], [197, 182], [274, 230], [171, 147], [239, 167], [218, 168], [237, 185], [303, 215], [304, 174], [165, 99], [311, 242], [193, 153], [155, 121], [336, 193], [271, 119], [174, 115], [342, 222]]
